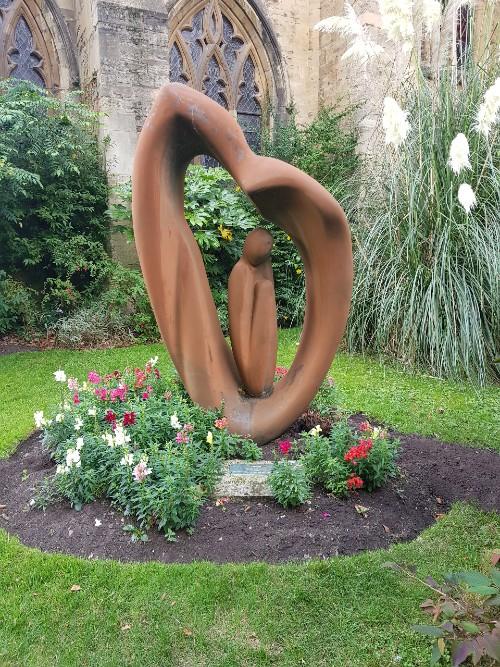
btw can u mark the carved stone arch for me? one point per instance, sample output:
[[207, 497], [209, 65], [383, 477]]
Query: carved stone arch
[[35, 44], [211, 35]]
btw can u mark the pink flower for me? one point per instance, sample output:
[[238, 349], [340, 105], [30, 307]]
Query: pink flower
[[141, 471], [76, 399], [221, 423], [119, 392], [140, 376], [365, 426], [188, 428], [285, 446], [145, 395], [101, 393], [72, 384], [326, 515], [281, 371], [182, 438], [94, 377]]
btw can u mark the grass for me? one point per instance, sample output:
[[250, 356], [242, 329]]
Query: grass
[[451, 411], [344, 612]]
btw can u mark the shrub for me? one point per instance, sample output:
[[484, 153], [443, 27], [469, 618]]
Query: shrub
[[289, 483], [53, 196], [465, 616], [426, 288], [135, 438], [16, 305]]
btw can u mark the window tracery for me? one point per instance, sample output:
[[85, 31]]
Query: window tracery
[[211, 52], [24, 53]]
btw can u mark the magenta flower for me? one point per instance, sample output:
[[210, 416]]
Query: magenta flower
[[94, 377], [119, 392], [101, 393], [76, 399], [285, 446], [182, 438]]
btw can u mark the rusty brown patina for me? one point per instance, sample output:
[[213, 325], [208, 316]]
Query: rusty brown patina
[[183, 124]]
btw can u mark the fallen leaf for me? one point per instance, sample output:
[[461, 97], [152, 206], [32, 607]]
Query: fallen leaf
[[247, 508], [75, 588], [220, 502], [3, 507], [386, 528], [361, 509], [127, 626], [439, 501], [439, 516], [187, 632]]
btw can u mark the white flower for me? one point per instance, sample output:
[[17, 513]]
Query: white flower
[[108, 439], [73, 458], [121, 437], [92, 412], [60, 376], [59, 417], [395, 122], [397, 20], [459, 154], [488, 111], [39, 419], [127, 460], [79, 443], [466, 197], [316, 430], [174, 422], [61, 469], [153, 361], [361, 46], [97, 523], [210, 438], [85, 386], [141, 471], [431, 10], [78, 423]]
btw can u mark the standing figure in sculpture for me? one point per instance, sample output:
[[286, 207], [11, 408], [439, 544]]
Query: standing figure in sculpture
[[252, 315]]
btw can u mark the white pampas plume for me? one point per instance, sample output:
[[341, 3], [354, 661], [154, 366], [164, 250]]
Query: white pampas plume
[[431, 13], [397, 21], [395, 122], [459, 154], [467, 197], [488, 111], [361, 46]]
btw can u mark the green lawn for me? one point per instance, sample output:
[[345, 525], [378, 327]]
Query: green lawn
[[344, 612], [411, 403]]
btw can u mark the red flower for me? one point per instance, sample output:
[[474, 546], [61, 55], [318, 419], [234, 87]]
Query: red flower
[[354, 482], [110, 417], [129, 418], [76, 399], [359, 452], [156, 372], [281, 371], [285, 446], [221, 423], [365, 426]]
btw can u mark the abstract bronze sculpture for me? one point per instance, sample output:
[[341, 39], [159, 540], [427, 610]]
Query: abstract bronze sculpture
[[183, 124]]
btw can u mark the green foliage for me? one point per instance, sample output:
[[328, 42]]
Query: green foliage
[[327, 400], [135, 438], [53, 196], [16, 305], [465, 617], [426, 288], [289, 483]]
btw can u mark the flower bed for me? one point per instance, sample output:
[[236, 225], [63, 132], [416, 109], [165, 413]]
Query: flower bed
[[137, 439]]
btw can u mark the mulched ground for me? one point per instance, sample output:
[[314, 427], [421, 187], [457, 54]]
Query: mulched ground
[[433, 475]]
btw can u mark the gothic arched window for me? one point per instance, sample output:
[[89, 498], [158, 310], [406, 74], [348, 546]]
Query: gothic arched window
[[24, 51], [211, 52]]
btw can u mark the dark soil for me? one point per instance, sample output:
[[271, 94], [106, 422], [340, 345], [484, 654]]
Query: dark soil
[[12, 344], [433, 475]]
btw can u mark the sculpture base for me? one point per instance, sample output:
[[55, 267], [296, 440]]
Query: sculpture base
[[242, 479]]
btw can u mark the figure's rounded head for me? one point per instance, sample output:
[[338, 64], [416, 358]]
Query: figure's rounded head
[[258, 246]]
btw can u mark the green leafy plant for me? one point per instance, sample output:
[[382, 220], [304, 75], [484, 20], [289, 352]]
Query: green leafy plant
[[53, 197], [465, 617], [289, 483], [135, 438], [426, 288]]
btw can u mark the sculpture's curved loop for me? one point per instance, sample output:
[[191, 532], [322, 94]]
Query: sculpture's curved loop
[[183, 124]]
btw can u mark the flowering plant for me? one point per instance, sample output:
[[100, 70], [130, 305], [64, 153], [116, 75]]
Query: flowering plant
[[134, 437]]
